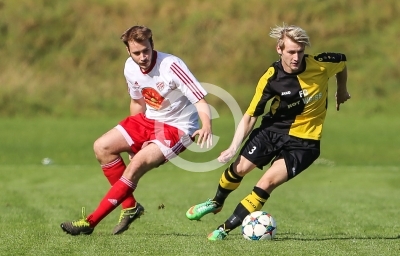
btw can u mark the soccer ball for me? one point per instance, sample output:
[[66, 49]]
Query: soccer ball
[[259, 225]]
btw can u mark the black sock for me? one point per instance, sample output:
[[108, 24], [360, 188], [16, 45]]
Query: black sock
[[228, 182], [253, 202]]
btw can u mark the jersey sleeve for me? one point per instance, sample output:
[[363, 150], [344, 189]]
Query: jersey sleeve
[[185, 81], [262, 95], [332, 62], [133, 90]]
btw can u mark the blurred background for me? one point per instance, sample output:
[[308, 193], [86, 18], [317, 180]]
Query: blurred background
[[64, 58]]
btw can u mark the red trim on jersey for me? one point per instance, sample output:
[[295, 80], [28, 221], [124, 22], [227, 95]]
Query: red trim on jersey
[[187, 80], [152, 64]]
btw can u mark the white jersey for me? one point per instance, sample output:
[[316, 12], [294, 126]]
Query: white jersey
[[169, 90]]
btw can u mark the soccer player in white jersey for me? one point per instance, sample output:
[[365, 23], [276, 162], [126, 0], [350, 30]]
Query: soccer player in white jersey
[[166, 104]]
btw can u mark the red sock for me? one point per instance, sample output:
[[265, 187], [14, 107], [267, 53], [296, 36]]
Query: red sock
[[118, 192], [113, 172]]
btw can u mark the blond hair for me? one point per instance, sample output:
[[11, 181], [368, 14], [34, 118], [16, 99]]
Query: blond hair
[[295, 33]]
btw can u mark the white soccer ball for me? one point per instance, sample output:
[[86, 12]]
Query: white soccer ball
[[259, 225], [47, 161]]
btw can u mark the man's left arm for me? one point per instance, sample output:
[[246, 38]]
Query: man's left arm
[[342, 95], [205, 132]]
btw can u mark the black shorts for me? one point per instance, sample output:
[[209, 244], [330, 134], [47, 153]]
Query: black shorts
[[264, 146]]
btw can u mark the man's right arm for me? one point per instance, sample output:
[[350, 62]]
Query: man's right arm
[[137, 106], [245, 126]]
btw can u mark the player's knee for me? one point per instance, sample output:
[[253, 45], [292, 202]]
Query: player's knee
[[100, 148], [267, 185], [240, 167], [239, 170]]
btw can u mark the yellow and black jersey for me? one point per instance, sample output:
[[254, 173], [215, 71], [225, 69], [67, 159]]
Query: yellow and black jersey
[[299, 100]]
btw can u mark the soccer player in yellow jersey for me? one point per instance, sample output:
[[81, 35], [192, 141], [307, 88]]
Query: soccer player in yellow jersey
[[289, 134]]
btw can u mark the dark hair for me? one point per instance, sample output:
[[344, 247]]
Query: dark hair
[[137, 34]]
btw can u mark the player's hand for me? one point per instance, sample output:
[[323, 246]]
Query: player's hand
[[341, 97], [226, 155], [205, 136]]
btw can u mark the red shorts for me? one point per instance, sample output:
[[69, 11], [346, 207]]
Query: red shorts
[[139, 131]]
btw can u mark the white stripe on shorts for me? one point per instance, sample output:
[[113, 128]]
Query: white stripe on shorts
[[170, 153], [125, 134]]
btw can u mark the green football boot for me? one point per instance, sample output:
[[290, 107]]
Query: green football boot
[[218, 234], [196, 212]]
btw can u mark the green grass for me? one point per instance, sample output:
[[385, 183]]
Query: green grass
[[348, 139], [325, 211], [345, 204]]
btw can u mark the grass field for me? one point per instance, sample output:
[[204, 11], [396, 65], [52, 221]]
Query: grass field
[[347, 203], [60, 95]]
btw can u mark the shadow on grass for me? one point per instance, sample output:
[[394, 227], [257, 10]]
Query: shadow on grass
[[290, 236], [279, 238]]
